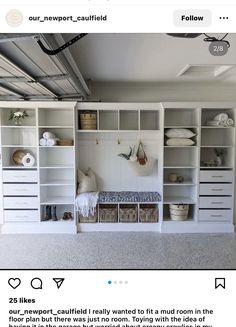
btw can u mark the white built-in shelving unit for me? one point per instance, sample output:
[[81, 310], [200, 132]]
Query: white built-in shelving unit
[[52, 181]]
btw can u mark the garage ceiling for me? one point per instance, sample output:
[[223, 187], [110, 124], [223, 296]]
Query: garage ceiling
[[27, 73]]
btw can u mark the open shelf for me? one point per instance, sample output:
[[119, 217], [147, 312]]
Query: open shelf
[[7, 153], [210, 113], [57, 117], [181, 117], [56, 200], [60, 210], [108, 120], [129, 120], [178, 199], [149, 120], [221, 137], [56, 156], [26, 122], [19, 136], [208, 154], [176, 157]]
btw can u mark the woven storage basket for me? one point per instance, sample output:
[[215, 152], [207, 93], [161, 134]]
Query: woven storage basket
[[128, 213], [65, 142], [108, 213], [89, 219], [88, 120], [148, 213], [179, 211]]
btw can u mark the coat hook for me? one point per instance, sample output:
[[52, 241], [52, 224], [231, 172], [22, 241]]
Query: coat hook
[[97, 141], [118, 142]]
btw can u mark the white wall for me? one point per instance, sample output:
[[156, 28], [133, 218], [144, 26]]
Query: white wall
[[148, 92]]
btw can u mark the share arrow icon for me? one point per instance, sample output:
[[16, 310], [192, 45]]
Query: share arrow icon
[[58, 281]]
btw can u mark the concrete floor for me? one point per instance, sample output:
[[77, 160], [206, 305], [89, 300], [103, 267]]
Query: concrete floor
[[118, 251]]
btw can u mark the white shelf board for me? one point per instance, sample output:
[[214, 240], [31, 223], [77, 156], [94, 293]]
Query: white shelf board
[[59, 182], [58, 200], [168, 220], [56, 126], [19, 127], [218, 127], [179, 184], [217, 146], [216, 167], [58, 222], [178, 199], [57, 167], [180, 146], [19, 146], [177, 167], [181, 126], [57, 146], [118, 131], [19, 167]]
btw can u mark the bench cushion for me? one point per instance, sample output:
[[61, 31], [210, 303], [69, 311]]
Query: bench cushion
[[114, 197]]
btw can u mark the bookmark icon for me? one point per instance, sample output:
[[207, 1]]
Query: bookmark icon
[[58, 281]]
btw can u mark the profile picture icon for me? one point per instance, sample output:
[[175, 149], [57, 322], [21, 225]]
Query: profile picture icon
[[14, 18]]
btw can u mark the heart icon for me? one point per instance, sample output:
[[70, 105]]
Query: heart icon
[[14, 282]]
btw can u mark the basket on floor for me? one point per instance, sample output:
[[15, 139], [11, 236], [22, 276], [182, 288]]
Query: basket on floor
[[148, 213], [128, 213], [88, 120], [179, 212], [108, 213], [89, 219]]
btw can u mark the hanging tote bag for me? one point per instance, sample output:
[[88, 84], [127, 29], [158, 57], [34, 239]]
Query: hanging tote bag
[[143, 166]]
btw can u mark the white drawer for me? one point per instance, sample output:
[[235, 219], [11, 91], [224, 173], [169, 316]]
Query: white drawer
[[215, 215], [215, 202], [21, 215], [216, 176], [20, 189], [216, 189], [20, 176], [20, 203]]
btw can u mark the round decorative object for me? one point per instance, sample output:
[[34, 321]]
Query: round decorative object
[[17, 157], [28, 160]]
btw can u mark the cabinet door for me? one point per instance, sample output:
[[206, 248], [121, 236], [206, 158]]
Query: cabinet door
[[20, 202], [21, 215], [20, 176], [215, 202]]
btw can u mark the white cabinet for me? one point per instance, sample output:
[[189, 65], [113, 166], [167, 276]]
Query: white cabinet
[[215, 215], [216, 176], [26, 191], [216, 189]]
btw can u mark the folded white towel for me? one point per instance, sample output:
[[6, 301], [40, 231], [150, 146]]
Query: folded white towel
[[48, 135], [86, 203], [43, 142], [51, 142], [216, 123], [230, 122], [222, 116]]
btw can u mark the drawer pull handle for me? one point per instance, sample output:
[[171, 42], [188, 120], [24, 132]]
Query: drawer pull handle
[[18, 176], [217, 176], [21, 203], [21, 216], [21, 190], [216, 202], [216, 215], [217, 189]]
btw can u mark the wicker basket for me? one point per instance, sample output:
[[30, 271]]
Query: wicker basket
[[65, 142], [179, 211], [88, 120], [148, 213], [108, 213], [89, 219], [128, 213]]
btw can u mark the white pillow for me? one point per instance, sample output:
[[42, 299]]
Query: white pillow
[[180, 133], [87, 182], [179, 141]]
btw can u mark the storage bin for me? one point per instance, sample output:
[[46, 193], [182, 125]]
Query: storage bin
[[89, 219], [88, 120], [108, 213], [128, 213], [179, 211], [148, 213]]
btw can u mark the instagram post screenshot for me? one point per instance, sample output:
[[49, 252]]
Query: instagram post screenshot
[[117, 163]]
